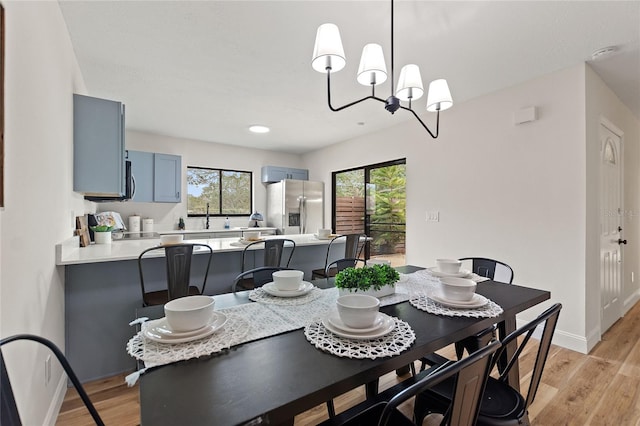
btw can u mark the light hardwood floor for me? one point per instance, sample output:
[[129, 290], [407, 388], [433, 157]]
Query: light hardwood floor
[[602, 388]]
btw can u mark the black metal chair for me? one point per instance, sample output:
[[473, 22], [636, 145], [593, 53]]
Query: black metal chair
[[490, 268], [352, 249], [178, 272], [494, 270], [342, 264], [9, 414], [257, 276], [501, 404], [469, 376], [274, 249]]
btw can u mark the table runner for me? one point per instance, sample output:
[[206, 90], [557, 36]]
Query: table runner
[[263, 320]]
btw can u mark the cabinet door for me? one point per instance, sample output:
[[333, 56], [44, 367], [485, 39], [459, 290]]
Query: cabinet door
[[299, 174], [167, 180], [98, 146], [142, 171], [274, 174]]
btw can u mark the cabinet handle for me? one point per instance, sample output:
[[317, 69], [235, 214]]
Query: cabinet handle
[[178, 194]]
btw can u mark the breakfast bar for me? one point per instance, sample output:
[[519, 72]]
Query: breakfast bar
[[102, 293]]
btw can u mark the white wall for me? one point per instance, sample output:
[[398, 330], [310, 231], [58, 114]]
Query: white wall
[[603, 104], [200, 154], [41, 75], [511, 192]]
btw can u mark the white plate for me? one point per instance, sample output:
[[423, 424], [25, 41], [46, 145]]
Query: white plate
[[162, 326], [330, 237], [152, 333], [247, 242], [387, 326], [271, 289], [476, 301], [334, 320], [462, 274]]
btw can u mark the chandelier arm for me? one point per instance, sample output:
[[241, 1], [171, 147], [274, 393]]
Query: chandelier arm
[[349, 104], [424, 125], [392, 79]]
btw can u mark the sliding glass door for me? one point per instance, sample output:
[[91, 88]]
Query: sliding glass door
[[372, 200]]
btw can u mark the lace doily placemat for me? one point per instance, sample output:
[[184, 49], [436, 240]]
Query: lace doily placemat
[[392, 344], [155, 353], [424, 303], [259, 295]]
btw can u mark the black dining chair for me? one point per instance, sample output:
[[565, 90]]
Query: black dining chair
[[469, 376], [257, 277], [501, 404], [9, 414], [494, 270], [178, 272], [353, 245], [273, 253]]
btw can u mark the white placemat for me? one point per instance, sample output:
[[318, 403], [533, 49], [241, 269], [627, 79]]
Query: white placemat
[[424, 303], [392, 344]]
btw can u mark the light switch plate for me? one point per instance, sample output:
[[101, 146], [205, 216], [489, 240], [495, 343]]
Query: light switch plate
[[433, 216]]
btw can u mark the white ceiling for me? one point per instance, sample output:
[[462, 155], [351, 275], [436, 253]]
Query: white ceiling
[[206, 70]]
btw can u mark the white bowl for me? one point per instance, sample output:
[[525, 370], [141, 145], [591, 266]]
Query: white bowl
[[324, 232], [458, 289], [189, 313], [358, 310], [171, 239], [251, 235], [449, 266], [287, 280]]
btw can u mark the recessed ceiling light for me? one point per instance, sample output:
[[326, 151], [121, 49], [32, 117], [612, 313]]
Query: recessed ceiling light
[[604, 52], [259, 129]]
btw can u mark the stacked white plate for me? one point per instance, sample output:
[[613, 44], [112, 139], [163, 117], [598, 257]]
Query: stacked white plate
[[159, 330], [383, 325], [477, 301], [463, 273], [305, 287]]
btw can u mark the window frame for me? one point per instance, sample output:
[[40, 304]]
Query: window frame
[[219, 207]]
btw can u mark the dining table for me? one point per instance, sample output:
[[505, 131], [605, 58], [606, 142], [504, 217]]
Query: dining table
[[272, 379]]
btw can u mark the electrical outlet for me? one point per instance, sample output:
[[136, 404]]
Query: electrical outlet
[[47, 370], [433, 216]]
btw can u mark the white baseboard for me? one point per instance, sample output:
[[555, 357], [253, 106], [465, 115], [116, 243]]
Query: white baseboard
[[56, 402], [562, 338]]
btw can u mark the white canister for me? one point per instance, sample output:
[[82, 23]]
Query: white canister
[[147, 225], [134, 223]]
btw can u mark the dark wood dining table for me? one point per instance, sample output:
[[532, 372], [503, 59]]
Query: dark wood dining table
[[269, 381]]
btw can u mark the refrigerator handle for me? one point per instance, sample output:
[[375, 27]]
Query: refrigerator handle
[[303, 215]]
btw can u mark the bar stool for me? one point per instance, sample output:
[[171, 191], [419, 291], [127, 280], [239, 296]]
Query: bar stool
[[352, 250]]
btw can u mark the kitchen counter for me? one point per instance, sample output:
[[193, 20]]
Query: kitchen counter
[[265, 229], [69, 253]]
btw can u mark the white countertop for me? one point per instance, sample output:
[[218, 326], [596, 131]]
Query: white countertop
[[205, 231], [69, 252]]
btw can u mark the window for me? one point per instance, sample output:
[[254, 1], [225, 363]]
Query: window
[[228, 192]]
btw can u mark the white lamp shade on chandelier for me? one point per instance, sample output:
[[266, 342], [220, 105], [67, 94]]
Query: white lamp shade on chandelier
[[409, 83], [372, 69], [439, 97], [328, 53]]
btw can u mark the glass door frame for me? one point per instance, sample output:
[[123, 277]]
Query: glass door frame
[[367, 177]]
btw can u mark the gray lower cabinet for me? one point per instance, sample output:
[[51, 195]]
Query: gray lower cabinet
[[157, 177], [98, 147]]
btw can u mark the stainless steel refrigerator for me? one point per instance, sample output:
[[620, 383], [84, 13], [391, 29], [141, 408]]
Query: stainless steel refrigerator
[[295, 206]]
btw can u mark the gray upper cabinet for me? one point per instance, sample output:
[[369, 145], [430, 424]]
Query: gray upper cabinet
[[142, 172], [276, 174], [157, 177], [166, 178], [98, 147]]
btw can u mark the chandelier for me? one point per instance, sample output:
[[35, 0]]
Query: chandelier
[[328, 57]]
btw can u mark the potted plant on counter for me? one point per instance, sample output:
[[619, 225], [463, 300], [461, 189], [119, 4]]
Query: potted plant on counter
[[102, 234], [375, 280]]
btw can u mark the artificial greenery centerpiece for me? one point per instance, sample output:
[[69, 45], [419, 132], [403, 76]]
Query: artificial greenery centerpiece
[[368, 278]]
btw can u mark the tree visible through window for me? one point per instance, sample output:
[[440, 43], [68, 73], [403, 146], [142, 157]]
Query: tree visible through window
[[228, 192]]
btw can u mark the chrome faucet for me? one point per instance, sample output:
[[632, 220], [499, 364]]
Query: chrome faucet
[[207, 223]]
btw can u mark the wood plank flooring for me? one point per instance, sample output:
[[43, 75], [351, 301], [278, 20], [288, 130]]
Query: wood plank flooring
[[602, 388]]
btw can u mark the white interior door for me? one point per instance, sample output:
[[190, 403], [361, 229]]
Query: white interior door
[[610, 227]]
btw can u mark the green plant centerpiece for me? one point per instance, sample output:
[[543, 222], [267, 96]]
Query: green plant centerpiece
[[376, 280]]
